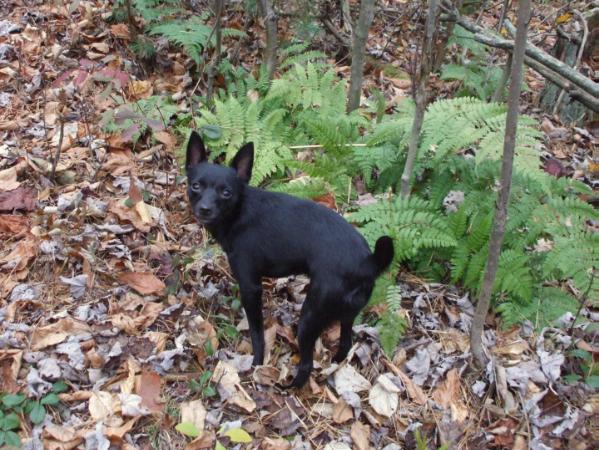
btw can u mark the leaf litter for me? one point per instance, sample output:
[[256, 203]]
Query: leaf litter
[[132, 324]]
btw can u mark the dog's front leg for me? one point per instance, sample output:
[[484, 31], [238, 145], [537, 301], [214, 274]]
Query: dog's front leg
[[251, 299]]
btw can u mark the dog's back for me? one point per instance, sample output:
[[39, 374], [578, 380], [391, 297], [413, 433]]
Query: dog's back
[[286, 235]]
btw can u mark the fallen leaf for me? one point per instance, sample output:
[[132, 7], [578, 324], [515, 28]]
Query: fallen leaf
[[139, 89], [148, 386], [21, 198], [10, 364], [383, 396], [238, 436], [13, 224], [56, 333], [120, 31], [266, 375], [20, 256], [275, 444], [448, 396], [348, 379], [360, 435], [194, 412], [8, 179], [342, 412], [143, 282], [102, 405]]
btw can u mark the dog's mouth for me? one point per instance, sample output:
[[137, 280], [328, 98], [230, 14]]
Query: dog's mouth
[[205, 219]]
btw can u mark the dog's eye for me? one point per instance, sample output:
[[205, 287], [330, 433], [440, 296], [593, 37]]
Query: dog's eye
[[196, 186], [226, 193]]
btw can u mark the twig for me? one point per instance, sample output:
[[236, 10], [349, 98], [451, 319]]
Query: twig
[[583, 44], [57, 155]]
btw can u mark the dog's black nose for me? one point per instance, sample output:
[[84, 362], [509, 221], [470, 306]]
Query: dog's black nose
[[205, 211]]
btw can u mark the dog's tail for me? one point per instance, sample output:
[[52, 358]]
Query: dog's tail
[[383, 254]]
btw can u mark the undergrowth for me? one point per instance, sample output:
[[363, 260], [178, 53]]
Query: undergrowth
[[308, 145]]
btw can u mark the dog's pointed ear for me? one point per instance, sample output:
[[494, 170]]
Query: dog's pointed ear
[[196, 152], [244, 161]]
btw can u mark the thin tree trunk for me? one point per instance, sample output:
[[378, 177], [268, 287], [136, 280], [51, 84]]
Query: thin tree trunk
[[219, 6], [496, 239], [360, 34], [270, 52], [421, 79]]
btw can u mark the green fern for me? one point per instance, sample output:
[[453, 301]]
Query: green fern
[[240, 124], [192, 34], [413, 223]]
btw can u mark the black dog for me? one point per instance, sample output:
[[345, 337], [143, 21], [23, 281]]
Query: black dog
[[267, 234]]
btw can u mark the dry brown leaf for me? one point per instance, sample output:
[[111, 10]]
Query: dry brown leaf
[[13, 224], [205, 441], [21, 198], [139, 89], [342, 412], [59, 433], [102, 47], [10, 364], [448, 396], [8, 179], [120, 31], [360, 435], [143, 282], [275, 444], [158, 338], [148, 386], [56, 333], [21, 255], [117, 433], [102, 405], [414, 391], [266, 375], [166, 138]]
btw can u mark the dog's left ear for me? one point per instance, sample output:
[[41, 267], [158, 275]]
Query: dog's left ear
[[244, 161], [196, 151]]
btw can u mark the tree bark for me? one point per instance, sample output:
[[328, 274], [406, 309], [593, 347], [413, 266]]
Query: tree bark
[[497, 233], [270, 52], [219, 6], [360, 34], [421, 79]]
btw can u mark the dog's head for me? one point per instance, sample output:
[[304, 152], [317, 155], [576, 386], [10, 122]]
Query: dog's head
[[214, 190]]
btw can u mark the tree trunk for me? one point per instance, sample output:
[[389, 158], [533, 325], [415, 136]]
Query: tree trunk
[[219, 6], [420, 80], [270, 52], [496, 239], [360, 34]]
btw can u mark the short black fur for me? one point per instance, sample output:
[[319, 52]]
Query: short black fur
[[268, 234]]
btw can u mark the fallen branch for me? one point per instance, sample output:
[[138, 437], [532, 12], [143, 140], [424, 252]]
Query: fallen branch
[[486, 37], [579, 95], [557, 66]]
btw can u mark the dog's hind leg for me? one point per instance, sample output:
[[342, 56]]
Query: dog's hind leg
[[313, 320], [353, 303], [344, 340]]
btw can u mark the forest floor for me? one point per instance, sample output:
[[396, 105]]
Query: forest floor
[[136, 310]]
